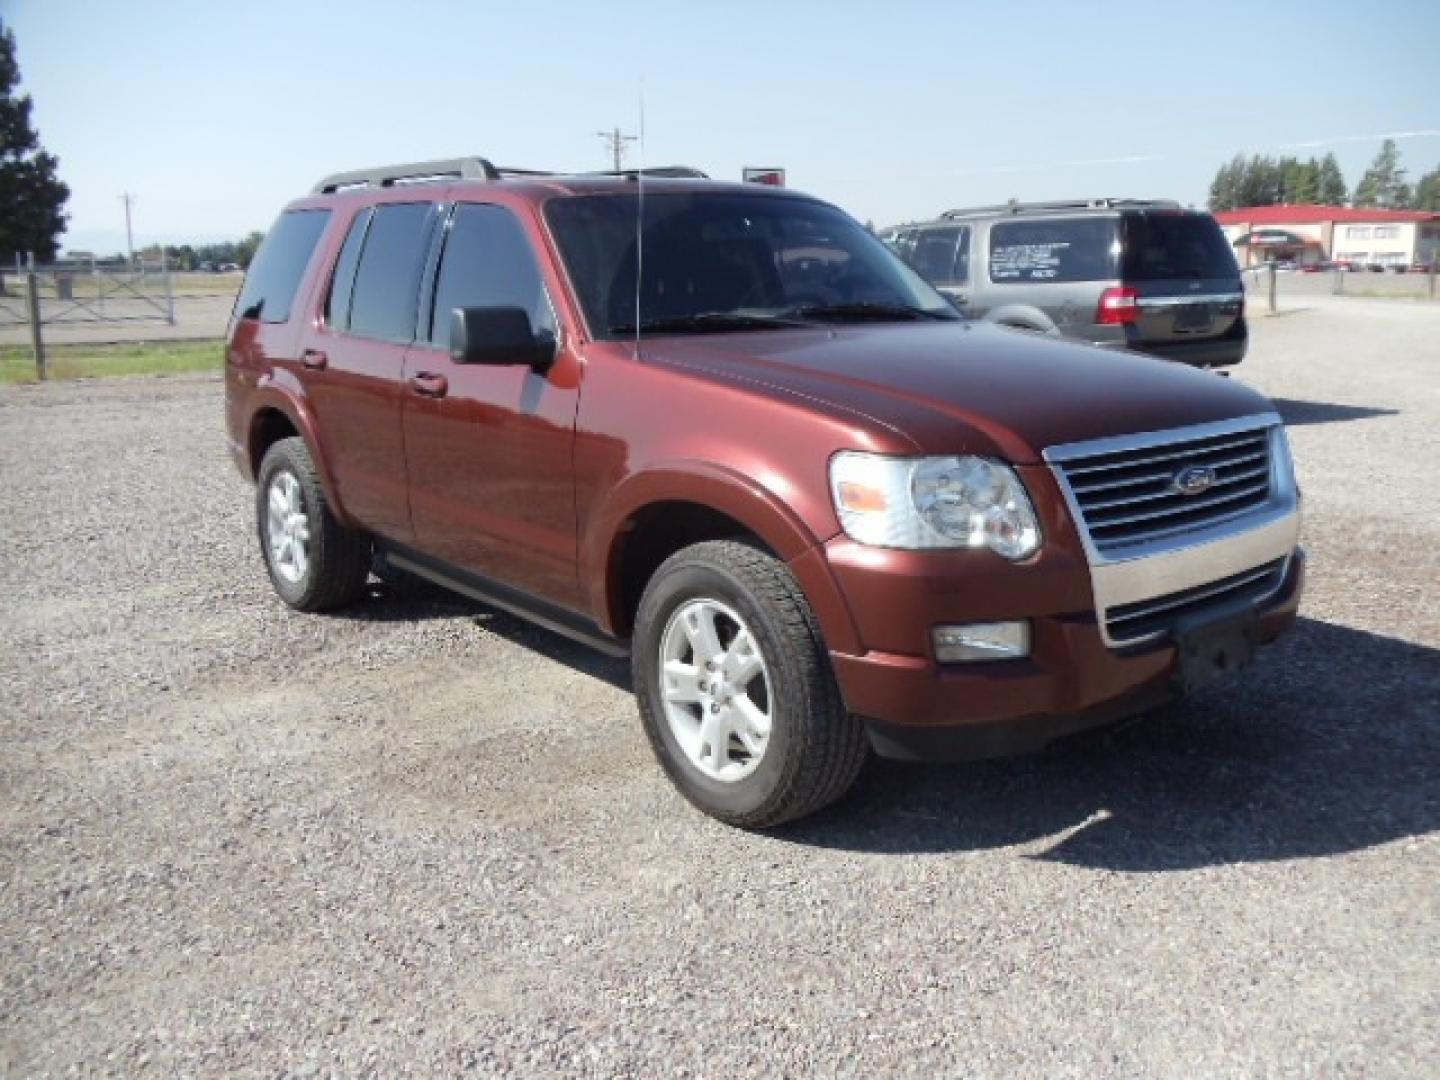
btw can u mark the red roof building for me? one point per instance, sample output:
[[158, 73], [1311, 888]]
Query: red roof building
[[1313, 234]]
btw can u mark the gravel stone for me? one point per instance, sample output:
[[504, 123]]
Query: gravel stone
[[424, 837]]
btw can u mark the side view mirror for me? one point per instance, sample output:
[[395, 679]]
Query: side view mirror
[[498, 335]]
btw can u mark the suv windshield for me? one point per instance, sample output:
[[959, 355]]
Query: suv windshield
[[1176, 245], [717, 262]]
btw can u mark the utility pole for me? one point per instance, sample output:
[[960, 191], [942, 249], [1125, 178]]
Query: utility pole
[[616, 142], [128, 200]]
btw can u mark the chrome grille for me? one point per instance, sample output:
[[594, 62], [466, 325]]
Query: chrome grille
[[1128, 497], [1146, 620]]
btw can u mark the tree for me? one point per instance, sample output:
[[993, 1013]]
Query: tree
[[32, 197], [245, 250], [1330, 186], [1383, 184], [1225, 188], [1427, 191]]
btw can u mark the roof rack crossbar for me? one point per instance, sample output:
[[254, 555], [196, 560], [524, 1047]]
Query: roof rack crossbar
[[662, 172], [1016, 207], [467, 168]]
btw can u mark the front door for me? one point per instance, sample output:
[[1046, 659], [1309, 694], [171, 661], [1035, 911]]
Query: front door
[[489, 447]]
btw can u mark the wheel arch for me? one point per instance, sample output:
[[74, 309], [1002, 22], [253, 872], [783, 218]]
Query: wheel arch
[[1022, 317], [277, 414], [656, 513]]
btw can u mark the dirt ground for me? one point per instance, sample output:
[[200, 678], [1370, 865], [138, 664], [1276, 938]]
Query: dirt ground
[[421, 836]]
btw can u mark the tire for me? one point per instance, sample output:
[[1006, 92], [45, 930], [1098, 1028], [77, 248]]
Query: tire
[[333, 562], [813, 748]]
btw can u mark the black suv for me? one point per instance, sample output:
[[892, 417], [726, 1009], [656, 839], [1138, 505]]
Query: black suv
[[1125, 273]]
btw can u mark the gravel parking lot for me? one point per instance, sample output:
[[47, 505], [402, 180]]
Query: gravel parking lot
[[422, 836]]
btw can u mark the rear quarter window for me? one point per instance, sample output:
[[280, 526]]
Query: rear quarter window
[[279, 264], [1042, 252]]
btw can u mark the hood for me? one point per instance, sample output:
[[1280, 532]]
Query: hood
[[955, 386]]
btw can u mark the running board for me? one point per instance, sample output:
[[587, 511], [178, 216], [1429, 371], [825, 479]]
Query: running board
[[515, 601]]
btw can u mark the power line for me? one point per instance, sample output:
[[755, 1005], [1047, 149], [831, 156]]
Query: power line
[[129, 200], [616, 141]]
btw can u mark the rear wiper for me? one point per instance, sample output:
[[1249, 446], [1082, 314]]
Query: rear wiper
[[704, 322], [860, 310]]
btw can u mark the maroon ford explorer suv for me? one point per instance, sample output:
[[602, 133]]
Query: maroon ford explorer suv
[[725, 431]]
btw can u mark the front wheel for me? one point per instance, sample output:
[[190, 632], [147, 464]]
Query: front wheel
[[735, 688]]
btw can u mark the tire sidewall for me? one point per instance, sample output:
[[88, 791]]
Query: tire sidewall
[[280, 458], [789, 704]]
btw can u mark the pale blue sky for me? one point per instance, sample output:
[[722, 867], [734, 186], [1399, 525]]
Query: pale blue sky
[[216, 113]]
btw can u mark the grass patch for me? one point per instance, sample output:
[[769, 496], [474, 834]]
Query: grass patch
[[17, 364]]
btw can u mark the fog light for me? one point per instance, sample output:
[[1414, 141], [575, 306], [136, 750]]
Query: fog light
[[982, 641]]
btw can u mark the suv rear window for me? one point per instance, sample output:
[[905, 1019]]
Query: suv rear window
[[279, 265], [1055, 250], [1169, 246]]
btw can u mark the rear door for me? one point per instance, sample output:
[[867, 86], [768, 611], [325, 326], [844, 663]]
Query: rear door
[[353, 360], [1185, 273]]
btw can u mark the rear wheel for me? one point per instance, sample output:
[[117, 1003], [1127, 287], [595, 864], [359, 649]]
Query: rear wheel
[[314, 562], [735, 688]]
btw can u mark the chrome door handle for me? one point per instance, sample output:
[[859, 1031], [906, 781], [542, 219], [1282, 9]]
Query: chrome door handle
[[428, 384]]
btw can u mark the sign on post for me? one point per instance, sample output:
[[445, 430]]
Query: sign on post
[[754, 174]]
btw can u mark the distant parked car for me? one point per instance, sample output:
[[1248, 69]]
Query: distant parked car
[[1123, 273]]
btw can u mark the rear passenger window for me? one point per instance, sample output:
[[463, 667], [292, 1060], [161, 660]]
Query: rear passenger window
[[1074, 249], [278, 266], [342, 285], [385, 296], [943, 255], [487, 262]]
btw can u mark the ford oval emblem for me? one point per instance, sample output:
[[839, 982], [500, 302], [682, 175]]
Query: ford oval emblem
[[1193, 479]]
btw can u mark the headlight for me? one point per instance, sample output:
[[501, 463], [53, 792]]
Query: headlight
[[933, 502], [1284, 462]]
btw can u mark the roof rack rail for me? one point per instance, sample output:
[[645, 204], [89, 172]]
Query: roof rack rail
[[466, 168], [1014, 206], [662, 172]]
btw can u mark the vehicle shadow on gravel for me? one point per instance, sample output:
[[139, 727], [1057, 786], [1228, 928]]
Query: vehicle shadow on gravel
[[1298, 413], [413, 599], [1331, 744]]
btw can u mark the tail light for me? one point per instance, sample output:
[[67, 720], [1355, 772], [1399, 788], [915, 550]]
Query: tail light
[[1118, 306]]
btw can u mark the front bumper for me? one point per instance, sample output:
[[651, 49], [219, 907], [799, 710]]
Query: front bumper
[[916, 708]]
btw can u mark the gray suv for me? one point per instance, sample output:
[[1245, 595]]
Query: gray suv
[[1125, 273]]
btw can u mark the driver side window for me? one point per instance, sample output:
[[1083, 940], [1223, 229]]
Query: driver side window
[[487, 262]]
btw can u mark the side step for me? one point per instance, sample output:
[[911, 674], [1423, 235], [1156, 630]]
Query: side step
[[515, 601]]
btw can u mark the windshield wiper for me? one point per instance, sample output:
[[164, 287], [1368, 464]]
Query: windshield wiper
[[863, 310], [705, 322]]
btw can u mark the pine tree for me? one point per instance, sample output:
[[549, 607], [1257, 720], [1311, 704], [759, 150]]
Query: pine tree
[[1383, 184], [1330, 185], [1427, 192], [1225, 188], [32, 197]]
